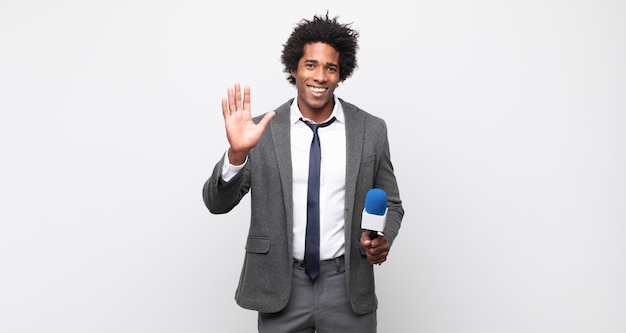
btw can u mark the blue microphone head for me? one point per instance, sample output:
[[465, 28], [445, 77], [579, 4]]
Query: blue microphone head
[[376, 202]]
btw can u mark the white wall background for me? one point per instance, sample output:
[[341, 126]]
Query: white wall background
[[507, 123]]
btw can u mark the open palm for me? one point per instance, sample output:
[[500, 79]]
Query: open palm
[[242, 133]]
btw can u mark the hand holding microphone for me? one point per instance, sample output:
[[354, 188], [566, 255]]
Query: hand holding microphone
[[373, 223]]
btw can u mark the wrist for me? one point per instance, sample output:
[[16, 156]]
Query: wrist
[[236, 157]]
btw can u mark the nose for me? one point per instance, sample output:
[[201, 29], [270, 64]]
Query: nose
[[319, 74]]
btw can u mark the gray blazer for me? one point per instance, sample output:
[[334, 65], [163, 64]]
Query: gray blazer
[[265, 282]]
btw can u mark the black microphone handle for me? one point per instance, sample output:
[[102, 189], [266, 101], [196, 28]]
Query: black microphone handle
[[373, 234]]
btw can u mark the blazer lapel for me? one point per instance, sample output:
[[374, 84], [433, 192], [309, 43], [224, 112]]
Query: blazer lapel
[[280, 130], [355, 130]]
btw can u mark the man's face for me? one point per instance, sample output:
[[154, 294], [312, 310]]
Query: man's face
[[317, 77]]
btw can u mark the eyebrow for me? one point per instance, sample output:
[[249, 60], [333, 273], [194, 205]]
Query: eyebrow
[[317, 62]]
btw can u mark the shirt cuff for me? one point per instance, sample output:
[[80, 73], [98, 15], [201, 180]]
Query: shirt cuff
[[228, 170]]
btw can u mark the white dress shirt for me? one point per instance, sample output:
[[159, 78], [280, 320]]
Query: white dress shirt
[[332, 182]]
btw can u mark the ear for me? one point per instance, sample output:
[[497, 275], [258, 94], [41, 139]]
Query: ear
[[293, 73]]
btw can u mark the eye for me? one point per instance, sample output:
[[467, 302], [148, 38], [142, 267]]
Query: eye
[[309, 65]]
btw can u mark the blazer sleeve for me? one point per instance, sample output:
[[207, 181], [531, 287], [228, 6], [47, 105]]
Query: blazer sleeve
[[386, 179], [220, 196]]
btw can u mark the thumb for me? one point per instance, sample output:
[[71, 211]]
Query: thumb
[[266, 119], [365, 239]]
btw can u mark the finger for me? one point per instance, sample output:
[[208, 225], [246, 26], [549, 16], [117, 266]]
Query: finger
[[377, 259], [238, 96], [246, 98], [231, 100], [225, 111], [376, 251], [379, 241]]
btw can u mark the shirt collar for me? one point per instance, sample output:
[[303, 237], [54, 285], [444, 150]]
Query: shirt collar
[[337, 111]]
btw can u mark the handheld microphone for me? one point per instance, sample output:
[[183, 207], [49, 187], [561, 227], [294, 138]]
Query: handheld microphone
[[375, 212]]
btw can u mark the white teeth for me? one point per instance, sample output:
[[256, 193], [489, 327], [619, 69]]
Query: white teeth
[[318, 89]]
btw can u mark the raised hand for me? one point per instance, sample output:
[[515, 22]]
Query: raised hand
[[242, 133]]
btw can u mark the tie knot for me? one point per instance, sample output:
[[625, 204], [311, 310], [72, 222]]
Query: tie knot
[[315, 126]]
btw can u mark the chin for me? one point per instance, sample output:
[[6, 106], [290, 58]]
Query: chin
[[317, 104]]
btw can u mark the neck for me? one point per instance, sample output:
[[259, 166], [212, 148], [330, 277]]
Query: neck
[[317, 115]]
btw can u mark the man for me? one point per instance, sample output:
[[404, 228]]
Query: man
[[308, 165]]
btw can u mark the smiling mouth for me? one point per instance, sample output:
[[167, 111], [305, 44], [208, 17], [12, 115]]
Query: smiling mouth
[[318, 90]]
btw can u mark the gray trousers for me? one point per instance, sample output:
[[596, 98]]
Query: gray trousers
[[320, 306]]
